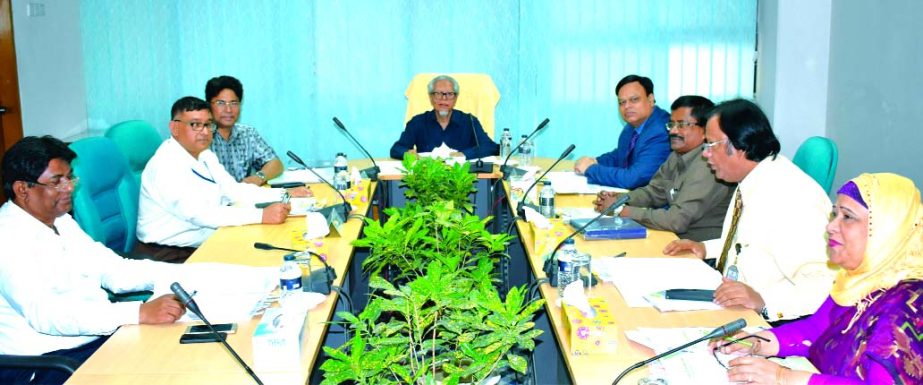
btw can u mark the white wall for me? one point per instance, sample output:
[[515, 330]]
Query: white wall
[[792, 74], [49, 57], [875, 100]]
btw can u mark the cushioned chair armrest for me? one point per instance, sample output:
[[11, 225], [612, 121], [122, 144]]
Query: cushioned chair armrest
[[39, 362]]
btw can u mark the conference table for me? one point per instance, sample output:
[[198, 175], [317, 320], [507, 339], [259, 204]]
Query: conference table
[[151, 354]]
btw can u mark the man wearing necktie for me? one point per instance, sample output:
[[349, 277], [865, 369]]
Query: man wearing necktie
[[774, 234], [643, 144]]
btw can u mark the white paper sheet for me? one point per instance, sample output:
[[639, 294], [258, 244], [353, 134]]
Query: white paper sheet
[[224, 292], [568, 182], [390, 167], [304, 176], [636, 278]]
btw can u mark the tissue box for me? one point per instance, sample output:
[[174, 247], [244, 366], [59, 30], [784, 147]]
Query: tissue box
[[596, 335], [544, 240], [277, 340]]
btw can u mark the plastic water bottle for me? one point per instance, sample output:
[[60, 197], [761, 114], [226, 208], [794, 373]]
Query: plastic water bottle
[[525, 152], [566, 265], [582, 270], [341, 172], [546, 200], [289, 276], [506, 143]]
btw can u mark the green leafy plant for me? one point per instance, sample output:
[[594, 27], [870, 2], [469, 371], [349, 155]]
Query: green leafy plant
[[415, 235], [447, 325], [430, 180]]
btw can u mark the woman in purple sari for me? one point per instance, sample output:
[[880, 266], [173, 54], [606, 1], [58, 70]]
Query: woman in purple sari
[[870, 329]]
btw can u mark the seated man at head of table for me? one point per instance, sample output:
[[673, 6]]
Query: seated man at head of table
[[186, 194], [240, 148], [643, 145], [774, 236], [53, 275], [460, 131], [684, 196]]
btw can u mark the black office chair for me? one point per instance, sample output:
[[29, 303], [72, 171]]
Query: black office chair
[[66, 364]]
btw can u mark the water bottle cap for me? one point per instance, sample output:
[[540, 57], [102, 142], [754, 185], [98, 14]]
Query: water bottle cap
[[506, 129], [288, 257], [524, 136], [569, 241], [547, 183]]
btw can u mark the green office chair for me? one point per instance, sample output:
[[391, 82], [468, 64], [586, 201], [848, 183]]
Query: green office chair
[[138, 141], [818, 158], [106, 201]]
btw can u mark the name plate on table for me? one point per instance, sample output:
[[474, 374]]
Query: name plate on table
[[610, 228]]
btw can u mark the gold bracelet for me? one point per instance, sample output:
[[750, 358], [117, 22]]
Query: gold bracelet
[[780, 375]]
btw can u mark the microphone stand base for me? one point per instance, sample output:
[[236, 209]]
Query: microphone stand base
[[372, 173]]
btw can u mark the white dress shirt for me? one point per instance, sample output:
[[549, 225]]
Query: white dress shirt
[[184, 199], [50, 284], [782, 238]]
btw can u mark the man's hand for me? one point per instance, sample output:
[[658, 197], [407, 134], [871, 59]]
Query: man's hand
[[680, 246], [733, 294], [604, 199], [300, 192], [253, 179], [583, 164], [276, 213], [165, 309]]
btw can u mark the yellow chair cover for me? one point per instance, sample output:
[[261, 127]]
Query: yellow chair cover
[[477, 95]]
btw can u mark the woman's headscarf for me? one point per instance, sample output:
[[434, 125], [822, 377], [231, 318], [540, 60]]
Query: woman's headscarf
[[894, 250]]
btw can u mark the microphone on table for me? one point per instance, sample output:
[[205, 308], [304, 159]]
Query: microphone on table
[[720, 331], [503, 167], [346, 206], [328, 273], [190, 304], [480, 167], [373, 171], [520, 211], [550, 267]]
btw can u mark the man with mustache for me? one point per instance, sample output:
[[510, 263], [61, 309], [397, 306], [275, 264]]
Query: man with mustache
[[186, 193], [458, 130], [772, 248], [683, 196], [643, 145]]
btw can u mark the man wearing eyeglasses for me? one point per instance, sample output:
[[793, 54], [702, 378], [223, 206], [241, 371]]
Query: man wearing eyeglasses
[[52, 274], [773, 247], [460, 131], [186, 192], [642, 146], [683, 196], [240, 148]]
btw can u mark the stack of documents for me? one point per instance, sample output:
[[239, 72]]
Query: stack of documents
[[641, 281], [568, 182], [304, 176]]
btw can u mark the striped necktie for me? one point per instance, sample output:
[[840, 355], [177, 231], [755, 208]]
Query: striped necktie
[[738, 208], [631, 146]]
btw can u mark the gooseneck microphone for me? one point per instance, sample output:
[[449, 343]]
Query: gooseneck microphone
[[266, 246], [329, 274], [503, 167], [520, 211], [190, 304], [720, 331], [480, 166], [346, 206], [373, 171], [550, 267]]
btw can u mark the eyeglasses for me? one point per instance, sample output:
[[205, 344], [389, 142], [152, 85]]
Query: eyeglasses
[[198, 126], [61, 184], [679, 124], [225, 103], [714, 352], [443, 95], [708, 145]]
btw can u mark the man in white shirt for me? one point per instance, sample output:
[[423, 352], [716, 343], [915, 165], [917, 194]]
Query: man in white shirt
[[52, 274], [773, 240], [186, 193]]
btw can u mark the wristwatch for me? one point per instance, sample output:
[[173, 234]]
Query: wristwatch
[[260, 175], [764, 313]]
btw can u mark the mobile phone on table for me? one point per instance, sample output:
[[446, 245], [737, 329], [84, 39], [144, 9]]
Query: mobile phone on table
[[200, 338], [221, 328]]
